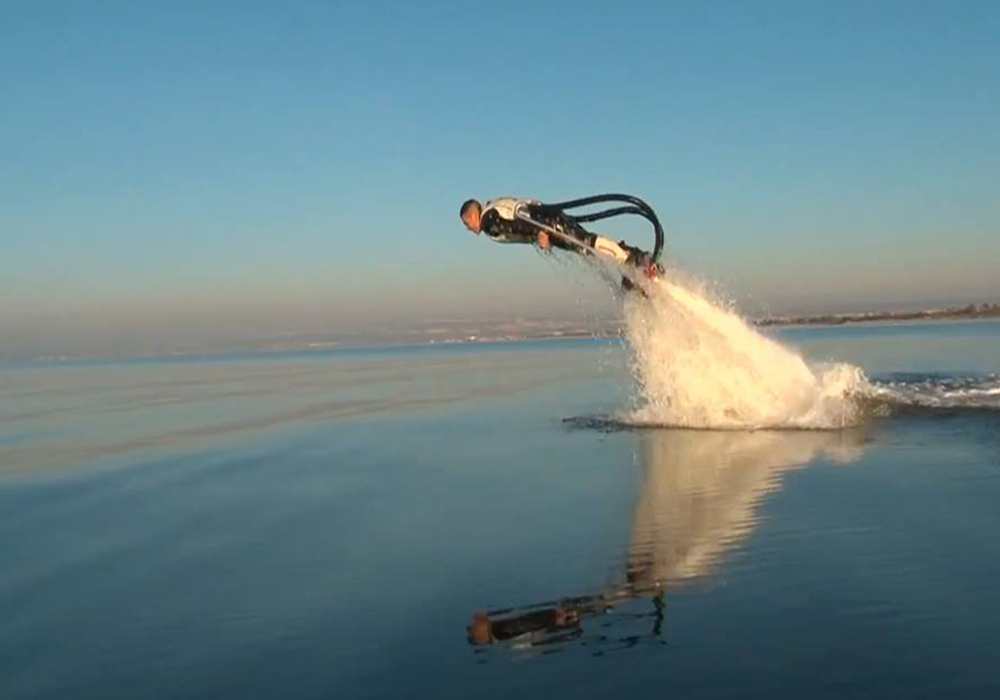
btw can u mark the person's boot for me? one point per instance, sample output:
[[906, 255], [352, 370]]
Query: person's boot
[[642, 260]]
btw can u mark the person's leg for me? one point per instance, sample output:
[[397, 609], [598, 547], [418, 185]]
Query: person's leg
[[608, 248]]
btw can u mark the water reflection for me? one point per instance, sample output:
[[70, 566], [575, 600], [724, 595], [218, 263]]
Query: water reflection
[[700, 499]]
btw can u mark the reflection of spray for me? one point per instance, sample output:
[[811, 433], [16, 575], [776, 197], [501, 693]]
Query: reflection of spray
[[701, 366], [702, 489], [698, 502]]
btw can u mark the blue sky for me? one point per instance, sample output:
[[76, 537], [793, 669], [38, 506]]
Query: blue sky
[[172, 171]]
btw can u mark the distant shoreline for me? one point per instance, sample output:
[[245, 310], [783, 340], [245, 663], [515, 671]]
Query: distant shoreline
[[967, 313], [970, 312]]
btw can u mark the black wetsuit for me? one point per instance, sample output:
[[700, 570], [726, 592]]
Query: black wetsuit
[[517, 230]]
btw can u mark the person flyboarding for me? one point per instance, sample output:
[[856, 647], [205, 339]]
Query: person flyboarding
[[512, 220]]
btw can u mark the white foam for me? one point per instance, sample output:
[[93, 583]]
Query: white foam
[[700, 365], [940, 392]]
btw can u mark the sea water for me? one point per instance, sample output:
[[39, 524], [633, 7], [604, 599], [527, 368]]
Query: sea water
[[497, 520]]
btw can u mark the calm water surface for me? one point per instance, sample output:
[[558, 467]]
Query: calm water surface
[[429, 523]]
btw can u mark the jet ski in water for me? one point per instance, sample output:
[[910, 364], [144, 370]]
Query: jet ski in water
[[558, 225]]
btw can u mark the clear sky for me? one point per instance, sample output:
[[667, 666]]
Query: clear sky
[[175, 173]]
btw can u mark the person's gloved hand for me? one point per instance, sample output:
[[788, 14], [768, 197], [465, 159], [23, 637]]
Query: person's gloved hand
[[543, 240]]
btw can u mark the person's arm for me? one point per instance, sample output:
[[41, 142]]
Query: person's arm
[[534, 210], [501, 223], [557, 230]]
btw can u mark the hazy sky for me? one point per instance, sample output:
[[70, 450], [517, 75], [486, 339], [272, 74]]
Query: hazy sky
[[177, 172]]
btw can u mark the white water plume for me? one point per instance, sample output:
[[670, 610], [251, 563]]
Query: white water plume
[[700, 365]]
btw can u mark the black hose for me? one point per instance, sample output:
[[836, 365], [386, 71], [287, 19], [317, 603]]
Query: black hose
[[637, 207], [608, 213]]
